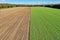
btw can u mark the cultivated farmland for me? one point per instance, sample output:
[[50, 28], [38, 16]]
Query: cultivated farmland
[[14, 23], [45, 23]]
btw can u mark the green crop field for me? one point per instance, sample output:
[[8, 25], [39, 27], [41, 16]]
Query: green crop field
[[45, 23]]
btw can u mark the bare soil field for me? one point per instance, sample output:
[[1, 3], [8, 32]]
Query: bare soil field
[[14, 23]]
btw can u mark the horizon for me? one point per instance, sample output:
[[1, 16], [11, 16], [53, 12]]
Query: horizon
[[30, 1]]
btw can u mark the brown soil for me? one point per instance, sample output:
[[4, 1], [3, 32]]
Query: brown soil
[[14, 23]]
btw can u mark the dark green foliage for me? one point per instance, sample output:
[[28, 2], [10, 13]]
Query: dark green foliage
[[7, 5]]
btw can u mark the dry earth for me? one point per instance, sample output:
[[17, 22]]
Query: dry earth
[[14, 23]]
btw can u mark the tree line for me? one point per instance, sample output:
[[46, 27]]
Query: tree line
[[7, 5], [23, 5]]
